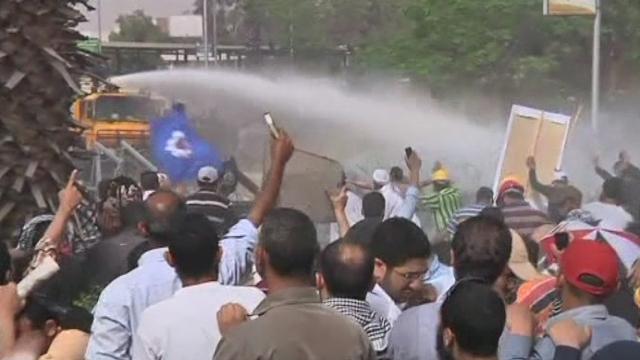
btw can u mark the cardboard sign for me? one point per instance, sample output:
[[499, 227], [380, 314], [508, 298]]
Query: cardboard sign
[[570, 7], [532, 132]]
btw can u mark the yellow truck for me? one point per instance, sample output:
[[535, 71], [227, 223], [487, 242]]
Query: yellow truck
[[109, 117]]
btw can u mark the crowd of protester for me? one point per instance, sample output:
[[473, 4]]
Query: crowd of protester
[[184, 276]]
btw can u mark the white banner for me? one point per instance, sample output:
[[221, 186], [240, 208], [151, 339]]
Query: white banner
[[570, 7], [532, 132]]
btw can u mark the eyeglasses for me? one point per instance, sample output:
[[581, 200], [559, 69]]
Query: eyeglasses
[[410, 276]]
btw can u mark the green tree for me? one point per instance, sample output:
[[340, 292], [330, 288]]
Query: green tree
[[507, 46], [138, 27], [39, 60]]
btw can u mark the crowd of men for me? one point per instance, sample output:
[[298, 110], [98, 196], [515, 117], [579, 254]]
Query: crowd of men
[[184, 277]]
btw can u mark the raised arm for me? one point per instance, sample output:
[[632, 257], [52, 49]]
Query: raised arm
[[533, 178], [339, 201], [48, 245], [10, 305], [281, 152], [69, 201], [361, 184], [239, 243], [604, 174], [412, 197]]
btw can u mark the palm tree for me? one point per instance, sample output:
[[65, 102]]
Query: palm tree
[[39, 61]]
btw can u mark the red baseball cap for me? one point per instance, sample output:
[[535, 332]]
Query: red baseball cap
[[591, 266]]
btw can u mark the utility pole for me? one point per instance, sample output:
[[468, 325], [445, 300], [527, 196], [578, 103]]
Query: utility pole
[[595, 75], [205, 20], [100, 23], [215, 31], [291, 32]]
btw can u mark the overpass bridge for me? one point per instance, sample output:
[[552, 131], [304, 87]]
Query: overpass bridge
[[182, 53]]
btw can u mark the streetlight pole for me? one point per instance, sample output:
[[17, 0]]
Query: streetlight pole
[[595, 75], [215, 31], [100, 22], [205, 19]]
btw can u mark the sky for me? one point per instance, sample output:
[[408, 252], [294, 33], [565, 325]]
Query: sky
[[112, 8]]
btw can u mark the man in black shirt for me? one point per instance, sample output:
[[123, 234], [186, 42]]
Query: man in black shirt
[[208, 201]]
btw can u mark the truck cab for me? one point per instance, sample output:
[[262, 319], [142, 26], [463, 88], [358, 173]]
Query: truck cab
[[109, 117]]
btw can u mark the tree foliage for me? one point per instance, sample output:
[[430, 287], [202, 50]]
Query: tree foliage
[[506, 46], [138, 27]]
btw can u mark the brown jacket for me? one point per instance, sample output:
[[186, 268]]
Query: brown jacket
[[293, 325]]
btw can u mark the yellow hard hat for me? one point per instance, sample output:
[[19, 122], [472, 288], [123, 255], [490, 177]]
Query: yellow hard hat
[[440, 175]]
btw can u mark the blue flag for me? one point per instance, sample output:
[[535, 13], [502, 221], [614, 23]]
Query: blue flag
[[178, 148]]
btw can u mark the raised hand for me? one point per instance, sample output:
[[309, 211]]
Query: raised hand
[[531, 163]]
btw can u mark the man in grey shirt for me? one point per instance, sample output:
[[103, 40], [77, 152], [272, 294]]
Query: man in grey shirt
[[481, 249], [291, 323], [589, 274]]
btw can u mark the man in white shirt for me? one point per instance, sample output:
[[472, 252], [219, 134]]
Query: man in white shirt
[[402, 251], [183, 327], [608, 210], [119, 309]]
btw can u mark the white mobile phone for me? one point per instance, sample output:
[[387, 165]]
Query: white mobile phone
[[271, 124]]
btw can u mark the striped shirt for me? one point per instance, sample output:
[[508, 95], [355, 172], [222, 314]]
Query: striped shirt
[[523, 218], [214, 206], [462, 215], [444, 205]]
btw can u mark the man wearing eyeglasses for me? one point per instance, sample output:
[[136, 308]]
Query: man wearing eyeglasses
[[401, 251], [480, 250]]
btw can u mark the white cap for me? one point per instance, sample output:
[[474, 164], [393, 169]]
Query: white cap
[[381, 176], [207, 174]]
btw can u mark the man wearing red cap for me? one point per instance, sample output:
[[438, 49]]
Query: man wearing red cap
[[589, 273], [519, 215]]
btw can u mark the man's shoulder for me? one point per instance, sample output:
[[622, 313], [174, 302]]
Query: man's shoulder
[[209, 196], [155, 317], [592, 205], [618, 324], [249, 291], [420, 313], [248, 296], [135, 279]]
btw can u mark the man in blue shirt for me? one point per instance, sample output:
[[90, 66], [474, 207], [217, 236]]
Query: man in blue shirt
[[119, 309], [481, 249]]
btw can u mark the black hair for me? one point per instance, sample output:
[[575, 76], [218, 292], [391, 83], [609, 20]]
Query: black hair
[[362, 232], [5, 263], [476, 315], [398, 240], [160, 222], [612, 189], [493, 212], [289, 237], [396, 174], [103, 189], [481, 248], [194, 246], [132, 213], [347, 268], [39, 309], [484, 194], [373, 205], [149, 180], [37, 312]]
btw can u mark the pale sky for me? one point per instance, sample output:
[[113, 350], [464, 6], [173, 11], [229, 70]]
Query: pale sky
[[112, 8]]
